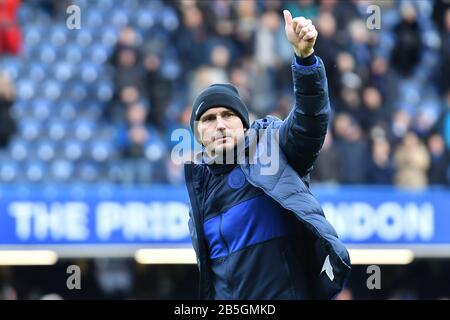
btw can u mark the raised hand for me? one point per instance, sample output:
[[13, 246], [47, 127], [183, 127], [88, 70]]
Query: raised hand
[[301, 33]]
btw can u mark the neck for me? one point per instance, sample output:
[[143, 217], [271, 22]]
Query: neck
[[222, 163]]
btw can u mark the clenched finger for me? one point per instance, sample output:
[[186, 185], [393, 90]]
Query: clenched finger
[[310, 35], [302, 24], [306, 30], [296, 22]]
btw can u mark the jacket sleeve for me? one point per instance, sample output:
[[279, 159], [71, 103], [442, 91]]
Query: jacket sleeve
[[303, 132], [193, 235]]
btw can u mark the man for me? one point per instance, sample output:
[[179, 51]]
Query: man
[[260, 235]]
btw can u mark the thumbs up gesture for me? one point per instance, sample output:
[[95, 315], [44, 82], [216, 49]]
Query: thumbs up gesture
[[301, 34]]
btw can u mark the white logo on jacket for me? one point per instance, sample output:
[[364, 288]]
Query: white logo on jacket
[[327, 268]]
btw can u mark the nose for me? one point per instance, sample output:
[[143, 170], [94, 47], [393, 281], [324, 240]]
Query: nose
[[220, 123]]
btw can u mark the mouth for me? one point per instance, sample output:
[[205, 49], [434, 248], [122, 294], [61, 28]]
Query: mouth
[[221, 139]]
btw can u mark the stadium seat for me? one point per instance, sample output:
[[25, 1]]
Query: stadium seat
[[9, 171], [61, 170], [101, 150], [62, 71], [19, 149], [73, 150], [29, 130], [35, 171], [25, 89], [83, 130], [58, 36], [45, 150], [57, 129]]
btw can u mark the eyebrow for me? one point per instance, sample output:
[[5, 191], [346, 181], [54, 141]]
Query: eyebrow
[[208, 116], [228, 111], [214, 115]]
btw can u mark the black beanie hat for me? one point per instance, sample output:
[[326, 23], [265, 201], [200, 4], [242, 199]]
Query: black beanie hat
[[219, 95]]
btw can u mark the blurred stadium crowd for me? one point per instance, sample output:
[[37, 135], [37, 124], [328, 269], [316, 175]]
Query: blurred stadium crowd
[[98, 104]]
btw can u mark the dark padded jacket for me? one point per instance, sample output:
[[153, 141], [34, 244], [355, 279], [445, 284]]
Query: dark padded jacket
[[299, 138]]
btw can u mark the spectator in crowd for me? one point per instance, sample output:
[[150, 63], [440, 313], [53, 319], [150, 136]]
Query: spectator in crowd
[[137, 134], [412, 162], [269, 61], [7, 98], [440, 9], [400, 124], [408, 42], [381, 166], [445, 52], [10, 34], [128, 72], [243, 81], [127, 76], [245, 24], [328, 45], [359, 44], [439, 170], [267, 46], [125, 60], [192, 38], [127, 40], [385, 80], [443, 125], [305, 8], [327, 168], [344, 11], [157, 90], [142, 148], [348, 82], [373, 111], [116, 111], [352, 148], [220, 57], [203, 77]]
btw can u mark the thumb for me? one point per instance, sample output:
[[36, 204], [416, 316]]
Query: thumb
[[287, 17]]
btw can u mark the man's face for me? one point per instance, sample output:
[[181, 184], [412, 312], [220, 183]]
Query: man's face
[[220, 129]]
